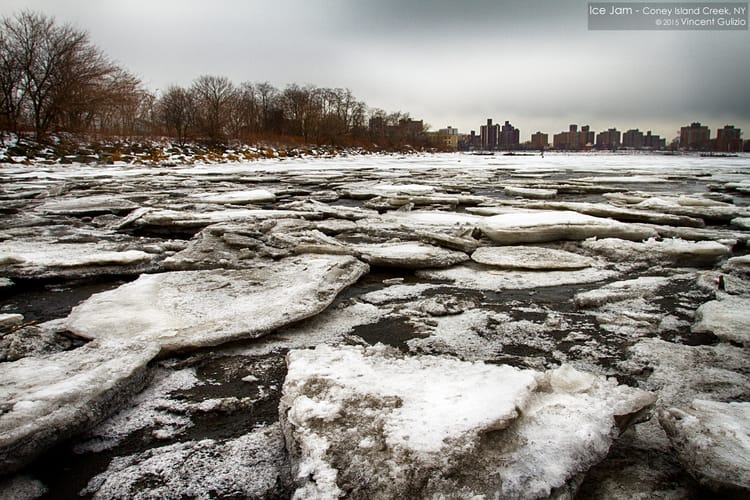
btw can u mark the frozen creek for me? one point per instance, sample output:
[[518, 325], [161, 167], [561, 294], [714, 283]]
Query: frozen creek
[[377, 327]]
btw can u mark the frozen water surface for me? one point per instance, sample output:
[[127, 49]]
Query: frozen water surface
[[422, 326]]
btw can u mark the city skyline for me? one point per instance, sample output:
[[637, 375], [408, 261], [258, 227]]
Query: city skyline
[[533, 62]]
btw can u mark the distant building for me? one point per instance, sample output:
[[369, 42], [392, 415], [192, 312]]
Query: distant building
[[586, 137], [489, 134], [651, 141], [447, 138], [539, 140], [509, 137], [633, 138], [573, 139], [729, 139], [608, 140], [695, 136]]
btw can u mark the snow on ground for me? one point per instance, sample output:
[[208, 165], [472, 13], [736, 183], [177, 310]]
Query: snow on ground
[[421, 425], [50, 398], [712, 442], [188, 309]]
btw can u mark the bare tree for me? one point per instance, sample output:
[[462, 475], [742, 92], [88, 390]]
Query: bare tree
[[11, 82], [266, 93], [61, 68], [213, 96], [177, 110]]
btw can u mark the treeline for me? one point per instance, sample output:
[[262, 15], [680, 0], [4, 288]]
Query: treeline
[[53, 79]]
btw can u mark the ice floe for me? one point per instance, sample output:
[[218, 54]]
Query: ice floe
[[727, 318], [187, 309], [527, 257], [409, 255], [478, 277], [50, 398], [237, 197], [687, 253], [712, 442], [250, 466], [42, 259], [543, 226], [427, 426]]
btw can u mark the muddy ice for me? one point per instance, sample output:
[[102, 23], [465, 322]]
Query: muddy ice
[[444, 326]]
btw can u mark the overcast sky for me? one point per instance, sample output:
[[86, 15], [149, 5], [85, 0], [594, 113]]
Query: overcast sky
[[449, 62]]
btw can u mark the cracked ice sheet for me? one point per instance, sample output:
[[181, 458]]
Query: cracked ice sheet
[[478, 277]]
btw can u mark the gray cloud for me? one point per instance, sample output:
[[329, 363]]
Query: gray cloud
[[533, 62]]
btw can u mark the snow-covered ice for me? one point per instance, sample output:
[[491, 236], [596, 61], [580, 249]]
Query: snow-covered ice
[[250, 466], [695, 253], [237, 197], [478, 277], [231, 250], [426, 426], [188, 309], [727, 318], [50, 398], [409, 255], [541, 226], [43, 259], [527, 257], [712, 441]]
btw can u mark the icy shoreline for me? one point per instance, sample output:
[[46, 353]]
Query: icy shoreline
[[627, 281]]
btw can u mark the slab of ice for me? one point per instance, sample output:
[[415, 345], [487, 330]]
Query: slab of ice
[[42, 259], [524, 257], [250, 466], [541, 226], [89, 205], [681, 373], [623, 214], [10, 320], [374, 423], [696, 253], [21, 488], [237, 197], [643, 287], [740, 264], [478, 277], [50, 398], [712, 442], [534, 193], [409, 255], [383, 188], [189, 309], [189, 218], [690, 206], [727, 318]]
